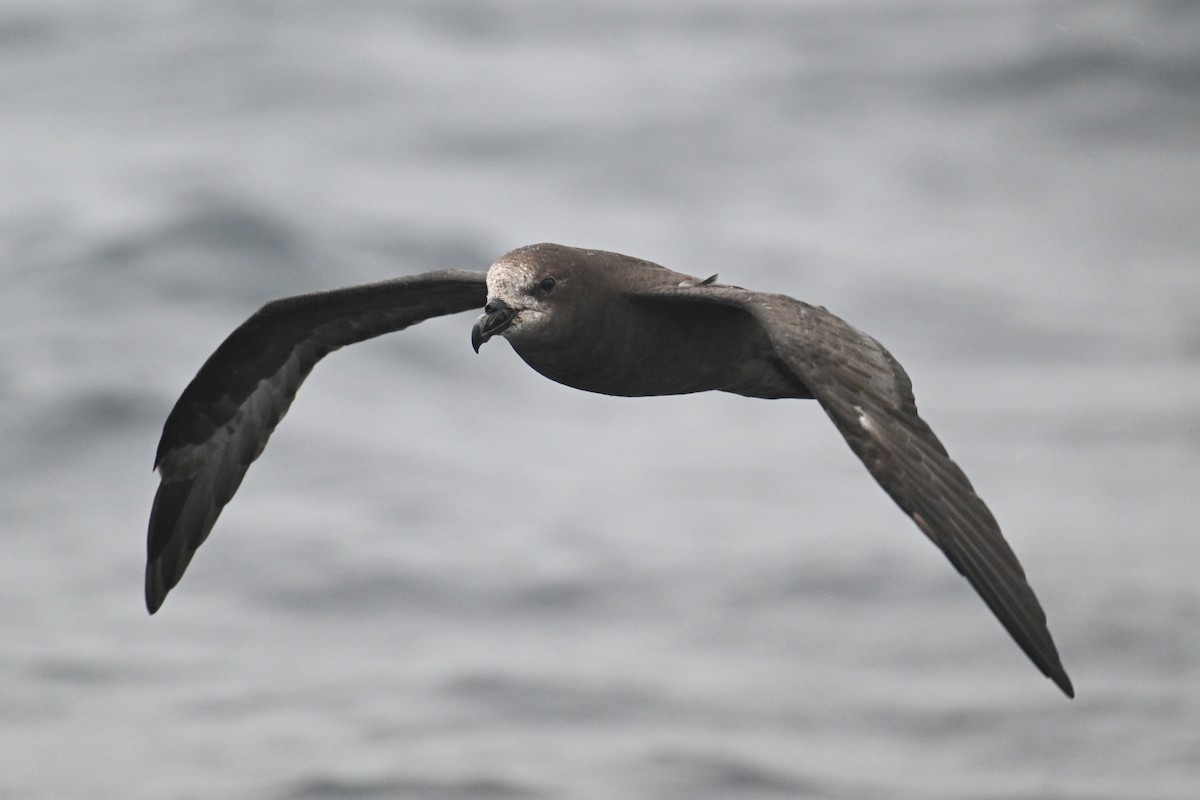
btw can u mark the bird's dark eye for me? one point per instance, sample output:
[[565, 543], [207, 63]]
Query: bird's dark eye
[[547, 284]]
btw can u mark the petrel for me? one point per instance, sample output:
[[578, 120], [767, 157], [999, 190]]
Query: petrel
[[601, 322]]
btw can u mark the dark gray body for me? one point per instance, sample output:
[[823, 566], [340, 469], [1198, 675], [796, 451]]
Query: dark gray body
[[637, 329]]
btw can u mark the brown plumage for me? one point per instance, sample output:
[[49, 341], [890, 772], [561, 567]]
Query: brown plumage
[[606, 323]]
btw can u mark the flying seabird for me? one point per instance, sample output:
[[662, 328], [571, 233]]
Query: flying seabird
[[601, 322]]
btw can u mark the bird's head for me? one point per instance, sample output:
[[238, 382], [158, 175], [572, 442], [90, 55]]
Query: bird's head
[[525, 292]]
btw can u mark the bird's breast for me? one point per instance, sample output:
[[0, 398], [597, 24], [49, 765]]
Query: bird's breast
[[640, 353]]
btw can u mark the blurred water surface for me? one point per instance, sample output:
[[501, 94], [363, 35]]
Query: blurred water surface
[[450, 578]]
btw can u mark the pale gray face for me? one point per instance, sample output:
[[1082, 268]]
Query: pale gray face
[[517, 283], [521, 295]]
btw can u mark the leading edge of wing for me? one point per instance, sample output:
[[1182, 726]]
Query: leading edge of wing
[[224, 417], [868, 395]]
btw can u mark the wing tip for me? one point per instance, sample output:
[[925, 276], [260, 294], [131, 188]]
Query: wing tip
[[156, 592], [1060, 679]]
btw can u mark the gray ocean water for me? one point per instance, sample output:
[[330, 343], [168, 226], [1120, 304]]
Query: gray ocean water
[[450, 578]]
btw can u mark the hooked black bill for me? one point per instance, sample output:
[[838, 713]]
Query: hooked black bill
[[497, 315]]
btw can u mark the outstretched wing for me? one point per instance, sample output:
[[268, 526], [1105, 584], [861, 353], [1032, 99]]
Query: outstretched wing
[[224, 417], [869, 397]]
